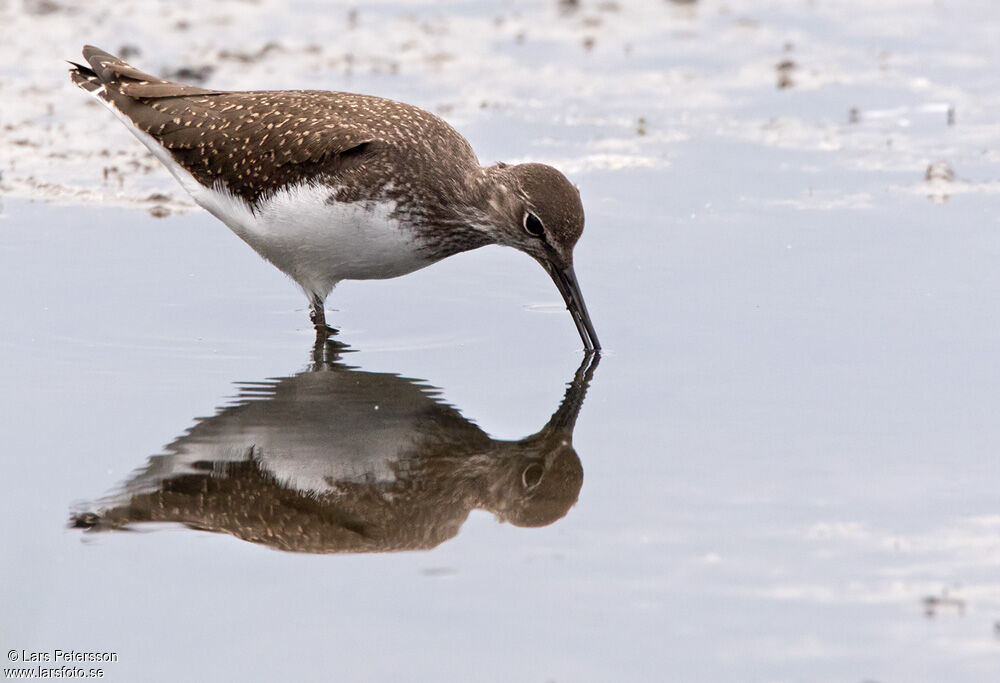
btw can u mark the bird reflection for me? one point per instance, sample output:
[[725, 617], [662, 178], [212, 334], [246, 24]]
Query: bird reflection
[[340, 460]]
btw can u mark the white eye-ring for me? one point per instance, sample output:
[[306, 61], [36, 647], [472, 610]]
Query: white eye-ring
[[533, 225], [531, 475]]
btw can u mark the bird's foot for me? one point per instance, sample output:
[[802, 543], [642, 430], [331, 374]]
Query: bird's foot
[[323, 331], [317, 316]]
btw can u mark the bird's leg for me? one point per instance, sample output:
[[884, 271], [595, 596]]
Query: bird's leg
[[318, 317], [316, 314], [325, 350]]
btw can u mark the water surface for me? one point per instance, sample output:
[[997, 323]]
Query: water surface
[[782, 468]]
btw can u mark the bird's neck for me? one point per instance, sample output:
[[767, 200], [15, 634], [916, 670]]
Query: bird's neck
[[470, 218]]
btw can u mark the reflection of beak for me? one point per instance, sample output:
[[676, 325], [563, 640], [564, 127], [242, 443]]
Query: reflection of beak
[[565, 280]]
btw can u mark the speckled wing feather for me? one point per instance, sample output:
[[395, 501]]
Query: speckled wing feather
[[254, 142]]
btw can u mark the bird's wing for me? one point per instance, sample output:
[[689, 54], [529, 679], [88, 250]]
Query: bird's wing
[[254, 142]]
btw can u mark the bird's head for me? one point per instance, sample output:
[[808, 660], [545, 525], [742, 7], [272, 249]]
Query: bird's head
[[535, 209]]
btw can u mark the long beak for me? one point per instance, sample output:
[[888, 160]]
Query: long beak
[[565, 280]]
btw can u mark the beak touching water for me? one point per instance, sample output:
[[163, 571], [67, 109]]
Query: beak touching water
[[565, 280]]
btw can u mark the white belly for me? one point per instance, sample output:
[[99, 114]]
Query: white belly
[[316, 243]]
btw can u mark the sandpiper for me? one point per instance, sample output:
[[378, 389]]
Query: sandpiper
[[332, 186]]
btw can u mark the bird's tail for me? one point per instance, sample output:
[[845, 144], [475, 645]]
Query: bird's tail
[[84, 77], [111, 79]]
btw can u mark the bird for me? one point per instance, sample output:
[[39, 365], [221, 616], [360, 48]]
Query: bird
[[305, 464], [331, 186]]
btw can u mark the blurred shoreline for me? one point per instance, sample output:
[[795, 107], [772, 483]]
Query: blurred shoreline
[[882, 92]]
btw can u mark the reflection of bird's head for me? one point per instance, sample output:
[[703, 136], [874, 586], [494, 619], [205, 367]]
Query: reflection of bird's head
[[537, 487], [542, 476]]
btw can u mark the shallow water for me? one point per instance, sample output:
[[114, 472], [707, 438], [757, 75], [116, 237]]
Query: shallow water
[[783, 467]]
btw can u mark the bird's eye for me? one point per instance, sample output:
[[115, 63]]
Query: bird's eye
[[533, 224], [531, 475]]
